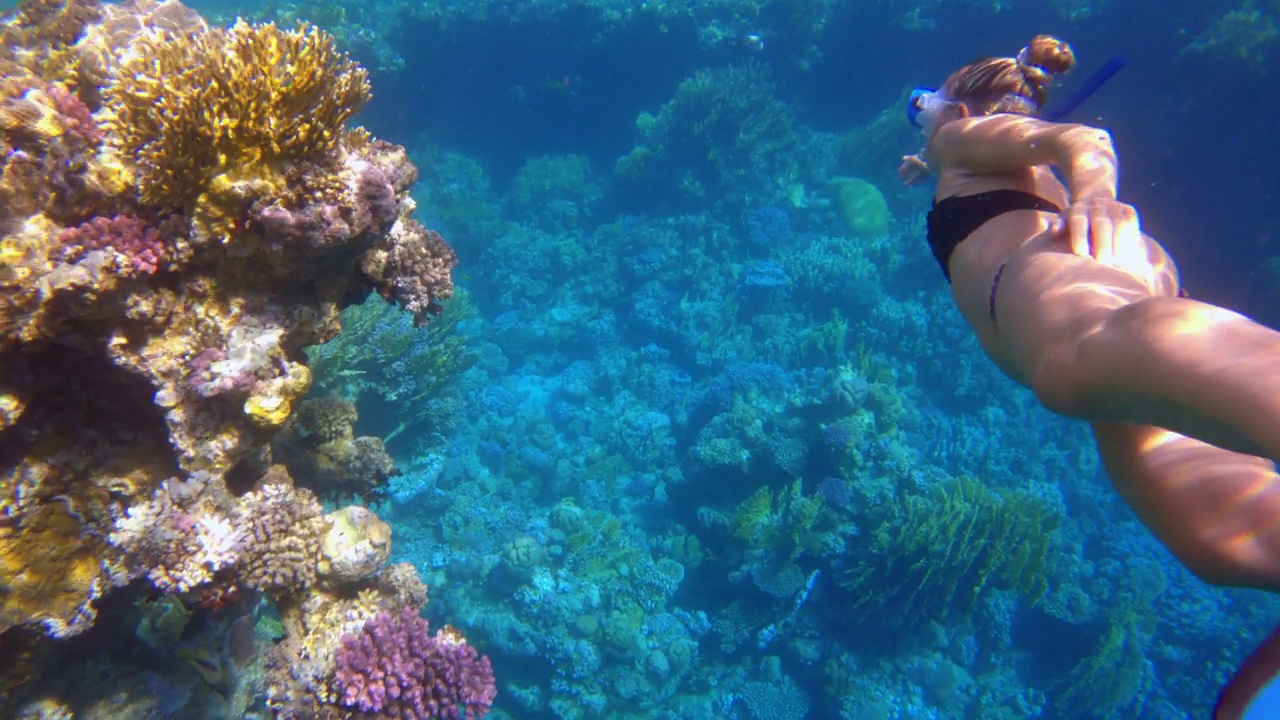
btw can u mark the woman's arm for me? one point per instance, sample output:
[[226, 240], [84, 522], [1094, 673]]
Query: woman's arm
[[1095, 224], [1003, 143]]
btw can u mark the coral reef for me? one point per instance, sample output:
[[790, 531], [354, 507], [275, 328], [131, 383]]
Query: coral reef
[[381, 361], [320, 448], [206, 117], [164, 262], [393, 668], [941, 551]]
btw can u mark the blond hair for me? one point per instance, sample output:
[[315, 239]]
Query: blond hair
[[1011, 84]]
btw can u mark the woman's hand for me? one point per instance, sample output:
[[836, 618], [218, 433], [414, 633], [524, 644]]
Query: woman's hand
[[1106, 230], [913, 170]]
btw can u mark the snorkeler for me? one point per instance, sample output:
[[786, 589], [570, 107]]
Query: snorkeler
[[1070, 299]]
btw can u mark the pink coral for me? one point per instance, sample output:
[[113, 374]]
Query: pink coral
[[393, 669], [75, 115], [140, 244]]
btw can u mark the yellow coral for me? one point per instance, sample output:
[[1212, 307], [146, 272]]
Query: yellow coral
[[190, 108], [267, 411], [269, 408], [49, 572]]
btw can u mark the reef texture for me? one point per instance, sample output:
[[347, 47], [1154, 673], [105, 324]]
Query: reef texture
[[182, 210], [395, 668]]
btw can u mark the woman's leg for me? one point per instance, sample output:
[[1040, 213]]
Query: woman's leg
[[1216, 510], [1094, 344], [1176, 363]]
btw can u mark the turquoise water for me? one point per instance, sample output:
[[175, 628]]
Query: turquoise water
[[702, 434]]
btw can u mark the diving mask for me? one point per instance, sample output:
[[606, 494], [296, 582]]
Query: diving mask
[[924, 106]]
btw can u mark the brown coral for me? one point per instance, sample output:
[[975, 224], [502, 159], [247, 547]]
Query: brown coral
[[213, 111], [47, 140], [282, 527], [330, 418], [338, 468], [413, 267], [111, 37], [52, 23], [49, 572]]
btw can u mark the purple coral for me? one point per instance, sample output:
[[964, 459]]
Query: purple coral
[[393, 669], [139, 243]]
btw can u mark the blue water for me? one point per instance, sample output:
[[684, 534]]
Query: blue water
[[714, 445], [644, 319]]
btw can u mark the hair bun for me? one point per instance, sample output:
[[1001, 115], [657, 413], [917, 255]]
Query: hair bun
[[1046, 55]]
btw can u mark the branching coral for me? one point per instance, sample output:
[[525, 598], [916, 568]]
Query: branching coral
[[780, 524], [939, 552], [1115, 680], [722, 130], [179, 538], [381, 358], [394, 669], [206, 111]]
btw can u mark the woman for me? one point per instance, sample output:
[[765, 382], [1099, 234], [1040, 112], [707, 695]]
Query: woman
[[1071, 300]]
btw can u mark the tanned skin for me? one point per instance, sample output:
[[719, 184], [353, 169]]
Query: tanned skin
[[1090, 320], [1183, 396]]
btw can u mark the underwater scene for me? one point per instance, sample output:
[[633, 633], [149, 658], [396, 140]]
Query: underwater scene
[[592, 360]]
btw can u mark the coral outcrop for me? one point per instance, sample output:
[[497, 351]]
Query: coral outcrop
[[394, 668], [182, 210]]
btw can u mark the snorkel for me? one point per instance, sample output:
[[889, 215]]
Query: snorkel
[[925, 103], [1113, 65]]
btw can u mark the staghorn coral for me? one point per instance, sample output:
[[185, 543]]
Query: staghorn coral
[[207, 115]]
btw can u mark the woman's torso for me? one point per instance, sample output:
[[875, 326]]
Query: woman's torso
[[981, 255], [976, 260]]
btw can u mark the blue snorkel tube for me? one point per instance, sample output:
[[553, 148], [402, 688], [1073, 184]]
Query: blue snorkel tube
[[1099, 78]]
